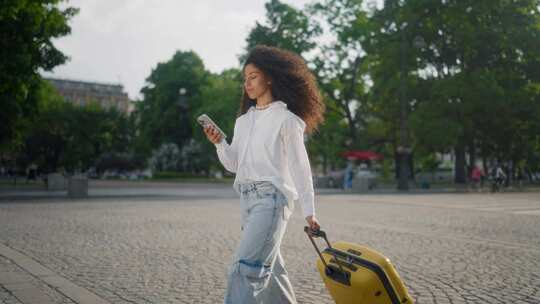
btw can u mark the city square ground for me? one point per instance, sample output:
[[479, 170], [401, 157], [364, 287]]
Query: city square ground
[[172, 243]]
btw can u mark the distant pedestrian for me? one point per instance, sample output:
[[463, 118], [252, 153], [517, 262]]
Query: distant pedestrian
[[507, 175], [348, 176], [476, 177], [498, 178], [31, 173], [520, 175]]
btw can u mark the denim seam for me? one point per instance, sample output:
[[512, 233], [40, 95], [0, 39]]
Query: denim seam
[[274, 224]]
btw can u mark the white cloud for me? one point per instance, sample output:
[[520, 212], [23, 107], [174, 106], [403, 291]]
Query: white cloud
[[122, 40]]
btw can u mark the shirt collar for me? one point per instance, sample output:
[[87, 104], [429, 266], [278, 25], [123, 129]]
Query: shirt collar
[[273, 104]]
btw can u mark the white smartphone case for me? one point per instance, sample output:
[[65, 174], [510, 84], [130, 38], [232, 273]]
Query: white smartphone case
[[204, 120]]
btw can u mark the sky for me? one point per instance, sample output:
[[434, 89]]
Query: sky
[[121, 41]]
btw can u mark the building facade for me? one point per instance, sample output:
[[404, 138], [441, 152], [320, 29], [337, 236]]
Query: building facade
[[82, 93]]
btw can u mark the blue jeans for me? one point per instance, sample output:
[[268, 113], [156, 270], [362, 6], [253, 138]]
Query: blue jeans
[[257, 274]]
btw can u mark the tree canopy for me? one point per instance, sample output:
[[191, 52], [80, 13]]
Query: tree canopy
[[27, 29]]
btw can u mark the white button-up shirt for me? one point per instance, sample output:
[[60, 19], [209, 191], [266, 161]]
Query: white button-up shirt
[[277, 153]]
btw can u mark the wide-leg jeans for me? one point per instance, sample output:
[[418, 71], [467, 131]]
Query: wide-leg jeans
[[257, 274]]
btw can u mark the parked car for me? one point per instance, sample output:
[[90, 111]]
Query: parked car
[[92, 173], [335, 178]]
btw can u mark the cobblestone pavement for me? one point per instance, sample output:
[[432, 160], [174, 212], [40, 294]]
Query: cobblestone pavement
[[24, 287], [448, 248]]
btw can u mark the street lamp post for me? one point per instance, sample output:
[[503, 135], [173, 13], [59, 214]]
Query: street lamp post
[[182, 104], [183, 109]]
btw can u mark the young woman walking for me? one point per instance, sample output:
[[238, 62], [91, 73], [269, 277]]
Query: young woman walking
[[280, 103]]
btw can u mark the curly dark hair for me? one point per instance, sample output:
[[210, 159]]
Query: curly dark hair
[[292, 83]]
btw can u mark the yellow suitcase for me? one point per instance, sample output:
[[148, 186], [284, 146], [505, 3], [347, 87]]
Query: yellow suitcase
[[355, 274]]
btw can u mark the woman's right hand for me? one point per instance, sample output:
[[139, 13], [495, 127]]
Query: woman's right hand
[[212, 134]]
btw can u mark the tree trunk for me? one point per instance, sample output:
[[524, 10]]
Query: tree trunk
[[404, 173], [411, 165], [350, 120], [397, 166], [472, 154], [459, 166]]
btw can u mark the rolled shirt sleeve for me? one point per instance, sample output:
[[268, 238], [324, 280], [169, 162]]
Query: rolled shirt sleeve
[[292, 132], [228, 154]]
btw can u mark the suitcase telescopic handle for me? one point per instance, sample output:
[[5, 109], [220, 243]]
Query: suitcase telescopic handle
[[320, 233], [317, 233]]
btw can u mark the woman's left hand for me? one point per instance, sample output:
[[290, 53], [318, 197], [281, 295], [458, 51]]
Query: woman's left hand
[[313, 223]]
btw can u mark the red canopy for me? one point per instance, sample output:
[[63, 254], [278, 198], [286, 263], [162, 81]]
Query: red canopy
[[362, 155]]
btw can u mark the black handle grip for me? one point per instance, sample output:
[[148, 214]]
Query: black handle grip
[[315, 233]]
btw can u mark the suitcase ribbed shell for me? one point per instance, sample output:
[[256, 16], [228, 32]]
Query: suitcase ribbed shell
[[373, 279]]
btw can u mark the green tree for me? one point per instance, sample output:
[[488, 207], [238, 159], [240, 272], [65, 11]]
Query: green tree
[[165, 115], [341, 65], [27, 29], [45, 137], [285, 27], [326, 145], [219, 99], [74, 137], [470, 85], [94, 131]]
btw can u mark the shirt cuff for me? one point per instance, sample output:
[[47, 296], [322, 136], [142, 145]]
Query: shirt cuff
[[221, 144], [308, 213], [308, 207]]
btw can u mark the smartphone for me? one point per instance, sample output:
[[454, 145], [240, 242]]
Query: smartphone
[[204, 121]]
